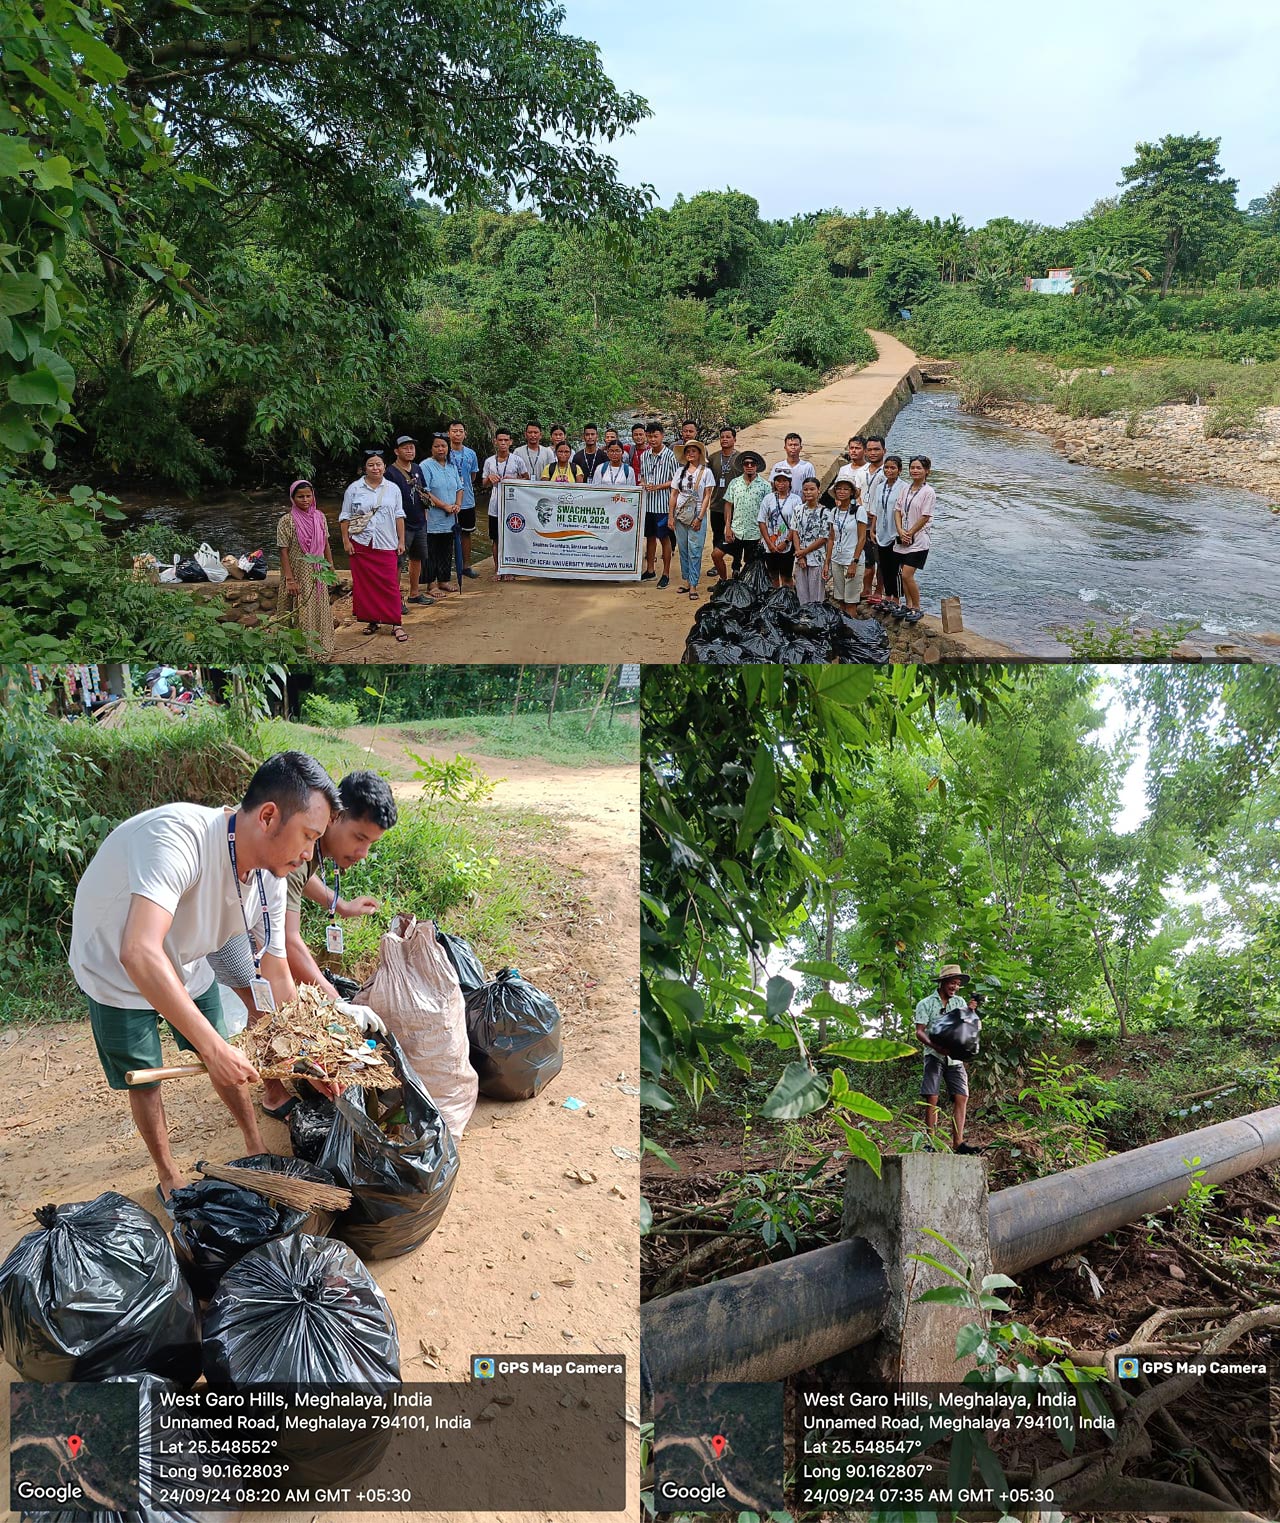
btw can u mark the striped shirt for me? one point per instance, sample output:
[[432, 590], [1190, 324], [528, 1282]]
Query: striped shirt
[[659, 472]]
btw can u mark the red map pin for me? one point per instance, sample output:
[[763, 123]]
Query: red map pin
[[74, 1443], [718, 1441]]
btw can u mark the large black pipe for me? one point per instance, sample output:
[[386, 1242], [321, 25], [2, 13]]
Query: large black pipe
[[766, 1323], [1047, 1217]]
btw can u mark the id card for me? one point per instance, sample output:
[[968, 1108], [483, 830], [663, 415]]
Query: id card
[[263, 999], [333, 938]]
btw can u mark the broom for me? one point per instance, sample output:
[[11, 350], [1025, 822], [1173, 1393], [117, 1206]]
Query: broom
[[301, 1194]]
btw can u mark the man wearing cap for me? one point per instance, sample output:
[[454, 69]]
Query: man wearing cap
[[777, 517], [742, 499], [931, 1015], [405, 471]]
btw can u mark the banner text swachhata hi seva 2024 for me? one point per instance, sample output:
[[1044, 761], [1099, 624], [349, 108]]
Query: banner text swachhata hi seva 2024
[[582, 533]]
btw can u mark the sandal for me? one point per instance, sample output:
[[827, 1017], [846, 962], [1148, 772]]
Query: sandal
[[913, 616], [371, 628], [682, 591], [279, 1112], [400, 635], [693, 594]]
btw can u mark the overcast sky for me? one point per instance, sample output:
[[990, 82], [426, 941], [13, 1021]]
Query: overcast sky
[[987, 110]]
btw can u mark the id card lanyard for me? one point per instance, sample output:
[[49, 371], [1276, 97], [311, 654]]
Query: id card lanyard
[[333, 938], [263, 998]]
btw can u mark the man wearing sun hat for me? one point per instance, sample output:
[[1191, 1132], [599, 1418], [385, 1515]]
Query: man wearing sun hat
[[931, 1013], [742, 499]]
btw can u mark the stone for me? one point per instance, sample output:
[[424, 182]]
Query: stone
[[1176, 1272], [952, 617], [1233, 653], [930, 652], [1185, 652]]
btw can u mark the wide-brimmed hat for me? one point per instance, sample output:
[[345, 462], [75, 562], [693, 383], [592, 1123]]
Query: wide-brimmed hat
[[689, 444], [952, 970], [750, 454]]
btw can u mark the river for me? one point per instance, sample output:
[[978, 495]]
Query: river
[[1028, 541]]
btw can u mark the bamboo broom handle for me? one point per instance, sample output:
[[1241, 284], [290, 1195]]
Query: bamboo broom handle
[[155, 1075]]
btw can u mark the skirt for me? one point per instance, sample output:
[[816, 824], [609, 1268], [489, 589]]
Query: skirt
[[375, 584]]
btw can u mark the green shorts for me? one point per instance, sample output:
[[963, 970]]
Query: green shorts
[[128, 1039]]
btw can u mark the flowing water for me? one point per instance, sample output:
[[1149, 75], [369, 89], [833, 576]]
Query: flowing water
[[1028, 540]]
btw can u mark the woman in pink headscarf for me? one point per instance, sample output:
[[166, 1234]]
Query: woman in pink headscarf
[[303, 537]]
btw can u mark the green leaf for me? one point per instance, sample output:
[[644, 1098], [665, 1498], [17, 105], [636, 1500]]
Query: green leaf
[[998, 1282], [825, 970], [847, 685], [654, 1096], [670, 991], [945, 1295], [54, 173], [34, 387], [16, 157], [861, 1146], [928, 1258], [870, 1049], [799, 1092], [760, 797], [863, 1105], [969, 1340], [20, 293], [648, 1145], [779, 993], [16, 434], [100, 62]]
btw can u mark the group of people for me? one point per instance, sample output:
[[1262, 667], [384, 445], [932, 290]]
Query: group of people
[[422, 514], [184, 897]]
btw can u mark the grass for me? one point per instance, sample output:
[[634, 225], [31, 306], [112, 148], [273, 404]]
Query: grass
[[565, 743], [336, 751]]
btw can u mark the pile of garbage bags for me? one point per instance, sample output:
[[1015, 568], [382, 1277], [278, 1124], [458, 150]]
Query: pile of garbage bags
[[215, 1224], [514, 1031], [416, 990], [94, 1291], [749, 620], [465, 962], [392, 1149]]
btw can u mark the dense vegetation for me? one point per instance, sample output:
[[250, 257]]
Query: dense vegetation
[[860, 827]]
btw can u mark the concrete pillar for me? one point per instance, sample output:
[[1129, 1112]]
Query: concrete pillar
[[917, 1190]]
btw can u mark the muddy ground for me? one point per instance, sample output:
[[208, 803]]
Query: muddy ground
[[526, 1261]]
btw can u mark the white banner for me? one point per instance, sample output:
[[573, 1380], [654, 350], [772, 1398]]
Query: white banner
[[577, 532]]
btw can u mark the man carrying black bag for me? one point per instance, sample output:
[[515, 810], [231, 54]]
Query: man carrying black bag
[[944, 1020]]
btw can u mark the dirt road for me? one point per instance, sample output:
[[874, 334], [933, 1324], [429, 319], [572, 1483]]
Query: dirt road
[[537, 621], [525, 1261]]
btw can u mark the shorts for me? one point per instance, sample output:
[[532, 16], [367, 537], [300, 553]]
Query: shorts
[[936, 1068], [780, 564], [493, 531], [717, 528], [844, 582], [871, 554], [415, 543], [466, 519], [914, 558], [128, 1039], [655, 526]]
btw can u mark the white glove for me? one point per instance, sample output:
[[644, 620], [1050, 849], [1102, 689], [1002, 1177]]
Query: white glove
[[369, 1021]]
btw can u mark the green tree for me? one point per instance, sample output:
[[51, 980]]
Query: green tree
[[903, 275], [1180, 188], [1111, 280]]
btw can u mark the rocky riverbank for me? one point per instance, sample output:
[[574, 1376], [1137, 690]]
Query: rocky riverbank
[[1168, 441]]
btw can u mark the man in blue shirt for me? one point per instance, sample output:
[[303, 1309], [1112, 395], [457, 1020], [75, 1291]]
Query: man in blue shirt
[[444, 499], [407, 475], [464, 461]]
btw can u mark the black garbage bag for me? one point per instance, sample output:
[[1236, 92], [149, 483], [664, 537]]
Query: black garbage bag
[[710, 652], [781, 604], [216, 1223], [755, 647], [96, 1291], [148, 1386], [192, 571], [711, 624], [756, 580], [465, 962], [957, 1034], [304, 1311], [514, 1031], [347, 988], [815, 621], [801, 652], [393, 1151], [735, 595], [310, 1123], [861, 640]]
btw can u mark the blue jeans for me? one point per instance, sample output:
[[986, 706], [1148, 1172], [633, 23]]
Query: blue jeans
[[689, 542]]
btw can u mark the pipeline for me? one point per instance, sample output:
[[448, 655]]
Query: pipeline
[[768, 1323], [1046, 1217]]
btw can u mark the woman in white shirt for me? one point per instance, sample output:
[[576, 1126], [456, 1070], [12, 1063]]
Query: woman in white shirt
[[372, 524], [914, 514], [690, 508]]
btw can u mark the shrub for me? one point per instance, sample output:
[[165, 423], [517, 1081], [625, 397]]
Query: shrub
[[1231, 418], [996, 376], [1094, 396], [328, 713], [785, 375]]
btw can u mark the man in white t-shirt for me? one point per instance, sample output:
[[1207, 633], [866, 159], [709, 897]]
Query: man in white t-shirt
[[160, 895], [799, 470]]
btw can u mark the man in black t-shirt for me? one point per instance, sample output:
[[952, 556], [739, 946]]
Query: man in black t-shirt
[[591, 456], [407, 475]]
